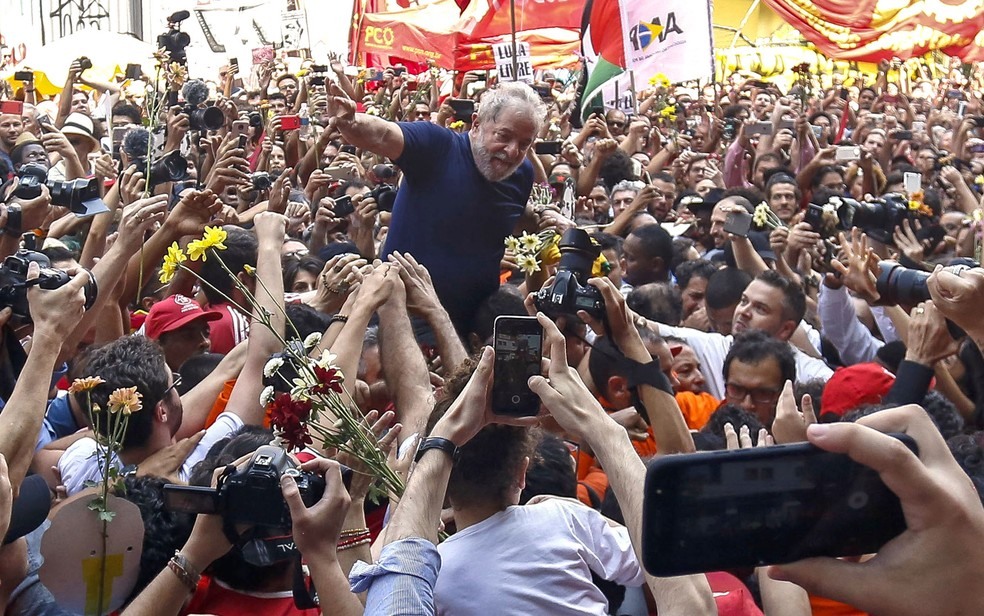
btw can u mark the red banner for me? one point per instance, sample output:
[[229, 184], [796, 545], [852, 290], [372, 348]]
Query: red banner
[[873, 30], [439, 32]]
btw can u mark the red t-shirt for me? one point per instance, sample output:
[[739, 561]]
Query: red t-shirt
[[230, 330], [214, 598]]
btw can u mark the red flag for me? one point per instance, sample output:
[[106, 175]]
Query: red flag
[[607, 38]]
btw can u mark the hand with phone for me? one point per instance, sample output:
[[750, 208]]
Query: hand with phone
[[935, 561]]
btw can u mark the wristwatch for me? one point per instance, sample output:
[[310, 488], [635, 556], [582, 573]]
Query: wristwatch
[[436, 442]]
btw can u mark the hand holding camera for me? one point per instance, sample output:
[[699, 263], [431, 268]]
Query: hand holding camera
[[959, 295], [55, 299]]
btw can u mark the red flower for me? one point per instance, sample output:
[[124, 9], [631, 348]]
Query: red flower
[[289, 418], [329, 379]]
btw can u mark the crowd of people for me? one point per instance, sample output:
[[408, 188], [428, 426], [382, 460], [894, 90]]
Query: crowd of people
[[771, 267]]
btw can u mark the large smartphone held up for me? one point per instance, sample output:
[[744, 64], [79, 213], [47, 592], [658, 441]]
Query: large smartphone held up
[[518, 344], [738, 223], [744, 508]]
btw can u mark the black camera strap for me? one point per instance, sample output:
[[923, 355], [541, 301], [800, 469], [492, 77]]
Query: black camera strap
[[305, 594], [15, 223]]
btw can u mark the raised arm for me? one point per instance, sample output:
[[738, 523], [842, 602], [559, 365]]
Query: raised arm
[[361, 130]]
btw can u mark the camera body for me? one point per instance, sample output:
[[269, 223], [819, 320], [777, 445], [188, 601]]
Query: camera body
[[204, 118], [261, 180], [570, 290], [171, 167], [13, 281], [385, 197], [81, 196], [84, 62], [878, 218], [174, 41], [250, 495]]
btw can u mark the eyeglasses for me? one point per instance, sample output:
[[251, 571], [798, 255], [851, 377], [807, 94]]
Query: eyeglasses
[[175, 382], [760, 395]]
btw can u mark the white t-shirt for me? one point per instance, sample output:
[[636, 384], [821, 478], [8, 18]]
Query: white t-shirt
[[534, 559], [80, 464]]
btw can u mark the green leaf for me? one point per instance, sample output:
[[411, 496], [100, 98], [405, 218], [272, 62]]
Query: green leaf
[[106, 516]]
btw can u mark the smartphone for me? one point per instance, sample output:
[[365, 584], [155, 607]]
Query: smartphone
[[343, 206], [847, 152], [842, 94], [290, 122], [961, 108], [372, 86], [234, 66], [240, 127], [738, 223], [412, 86], [787, 125], [749, 507], [463, 108], [518, 344], [817, 131], [24, 76], [319, 68], [399, 70], [12, 108], [317, 81], [348, 149], [755, 129], [242, 142], [547, 147], [901, 135], [133, 72], [911, 182]]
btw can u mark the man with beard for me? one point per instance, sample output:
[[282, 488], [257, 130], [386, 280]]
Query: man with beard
[[462, 193]]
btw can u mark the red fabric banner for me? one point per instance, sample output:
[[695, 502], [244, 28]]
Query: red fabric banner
[[873, 30]]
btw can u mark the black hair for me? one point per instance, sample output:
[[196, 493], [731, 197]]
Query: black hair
[[793, 297], [616, 168], [17, 153], [127, 362], [551, 470], [820, 114], [754, 346], [968, 450], [506, 300], [665, 176], [608, 241], [725, 286], [657, 301], [713, 430], [195, 369], [347, 184], [277, 96], [58, 253], [306, 320], [293, 265], [681, 248], [240, 251], [732, 111], [123, 109], [698, 268], [136, 143], [824, 170], [656, 242], [164, 530], [602, 365]]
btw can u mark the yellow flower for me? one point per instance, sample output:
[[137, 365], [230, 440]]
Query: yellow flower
[[457, 125], [659, 80], [172, 260], [528, 264], [512, 244], [125, 400], [213, 238], [85, 384], [551, 254], [761, 216], [530, 242], [249, 269], [978, 215]]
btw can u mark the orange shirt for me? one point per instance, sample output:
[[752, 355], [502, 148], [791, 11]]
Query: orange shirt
[[697, 408]]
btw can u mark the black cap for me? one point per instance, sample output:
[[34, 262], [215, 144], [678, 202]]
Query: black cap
[[30, 508]]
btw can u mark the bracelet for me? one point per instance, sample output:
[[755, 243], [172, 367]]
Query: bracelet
[[354, 539], [348, 546], [337, 318], [352, 532], [184, 570]]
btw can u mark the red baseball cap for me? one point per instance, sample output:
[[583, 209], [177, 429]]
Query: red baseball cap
[[854, 386], [173, 312]]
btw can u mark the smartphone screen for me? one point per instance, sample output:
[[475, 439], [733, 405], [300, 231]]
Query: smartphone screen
[[732, 509], [547, 147], [518, 350]]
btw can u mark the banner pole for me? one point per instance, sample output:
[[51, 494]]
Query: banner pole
[[744, 20], [512, 17], [632, 88]]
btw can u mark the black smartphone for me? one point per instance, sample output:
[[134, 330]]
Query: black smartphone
[[745, 508], [133, 71], [317, 81], [343, 206], [738, 223], [347, 148], [548, 147], [319, 68], [518, 344], [842, 94], [901, 135], [24, 76], [463, 108]]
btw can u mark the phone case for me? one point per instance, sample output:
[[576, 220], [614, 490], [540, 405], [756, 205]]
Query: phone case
[[745, 508], [518, 351]]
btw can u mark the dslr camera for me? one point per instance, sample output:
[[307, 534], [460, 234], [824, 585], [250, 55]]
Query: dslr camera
[[171, 167], [250, 495], [204, 118], [261, 180], [385, 196], [878, 218], [13, 281], [81, 196], [174, 41], [570, 290]]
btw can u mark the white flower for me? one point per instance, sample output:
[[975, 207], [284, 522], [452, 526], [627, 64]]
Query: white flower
[[273, 366], [512, 244], [266, 396], [312, 340], [530, 242], [327, 359], [835, 201]]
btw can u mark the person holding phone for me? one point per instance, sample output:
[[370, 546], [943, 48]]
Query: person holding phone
[[462, 193]]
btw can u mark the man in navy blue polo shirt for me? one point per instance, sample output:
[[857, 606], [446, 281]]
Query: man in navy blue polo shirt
[[462, 192]]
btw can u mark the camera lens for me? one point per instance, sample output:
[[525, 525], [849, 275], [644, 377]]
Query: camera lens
[[900, 285]]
